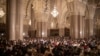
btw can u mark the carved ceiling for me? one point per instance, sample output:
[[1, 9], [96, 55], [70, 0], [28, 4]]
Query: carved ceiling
[[42, 10]]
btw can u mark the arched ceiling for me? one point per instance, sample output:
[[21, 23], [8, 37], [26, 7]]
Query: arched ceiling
[[42, 9]]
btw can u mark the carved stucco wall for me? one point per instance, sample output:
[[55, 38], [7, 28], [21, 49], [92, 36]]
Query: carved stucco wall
[[42, 12], [39, 6]]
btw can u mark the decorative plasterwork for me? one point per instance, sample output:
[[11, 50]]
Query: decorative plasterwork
[[43, 8]]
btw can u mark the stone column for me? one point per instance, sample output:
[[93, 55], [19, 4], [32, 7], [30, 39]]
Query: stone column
[[88, 28], [11, 16], [82, 26], [32, 18], [77, 20], [19, 19], [77, 29], [74, 30], [89, 24], [91, 27], [39, 28], [33, 22], [42, 29]]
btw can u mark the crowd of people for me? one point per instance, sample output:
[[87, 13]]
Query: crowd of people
[[50, 47]]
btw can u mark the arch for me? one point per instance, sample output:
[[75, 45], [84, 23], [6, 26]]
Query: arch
[[29, 3]]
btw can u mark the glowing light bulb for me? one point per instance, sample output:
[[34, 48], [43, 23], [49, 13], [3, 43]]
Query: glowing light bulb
[[54, 12]]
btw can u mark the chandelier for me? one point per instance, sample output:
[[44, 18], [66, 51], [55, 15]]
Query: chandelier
[[1, 12], [54, 13]]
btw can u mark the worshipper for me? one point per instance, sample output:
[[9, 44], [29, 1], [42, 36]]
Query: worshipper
[[49, 47]]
